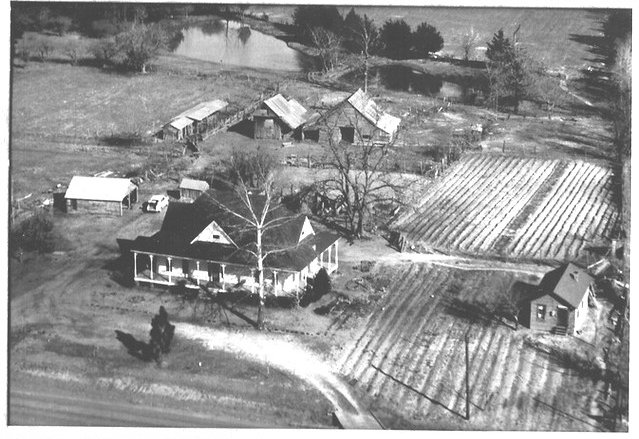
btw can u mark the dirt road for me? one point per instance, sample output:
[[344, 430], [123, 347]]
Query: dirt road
[[62, 408]]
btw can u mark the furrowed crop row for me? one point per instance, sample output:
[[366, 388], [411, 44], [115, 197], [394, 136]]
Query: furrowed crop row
[[480, 390], [508, 364], [384, 320], [552, 228], [461, 208], [451, 189], [473, 201], [587, 202], [531, 232], [401, 352], [372, 327], [503, 204], [486, 240], [387, 339]]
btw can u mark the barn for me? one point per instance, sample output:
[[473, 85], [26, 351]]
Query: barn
[[190, 189], [278, 117], [356, 120], [560, 304], [203, 244], [197, 120], [100, 195]]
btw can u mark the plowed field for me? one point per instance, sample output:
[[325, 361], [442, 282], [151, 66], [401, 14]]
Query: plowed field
[[494, 205], [411, 355]]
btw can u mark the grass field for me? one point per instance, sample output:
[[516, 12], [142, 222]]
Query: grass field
[[545, 33], [514, 207], [410, 356]]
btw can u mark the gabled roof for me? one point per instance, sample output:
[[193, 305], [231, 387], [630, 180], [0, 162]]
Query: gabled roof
[[291, 112], [364, 105], [184, 222], [567, 283], [99, 188], [204, 109], [196, 185], [180, 122]]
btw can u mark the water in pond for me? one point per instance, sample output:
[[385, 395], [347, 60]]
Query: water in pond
[[236, 44]]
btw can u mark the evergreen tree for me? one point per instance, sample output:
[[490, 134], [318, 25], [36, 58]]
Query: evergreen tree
[[426, 40]]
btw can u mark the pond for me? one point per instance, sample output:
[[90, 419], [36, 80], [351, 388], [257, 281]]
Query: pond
[[233, 43], [402, 78]]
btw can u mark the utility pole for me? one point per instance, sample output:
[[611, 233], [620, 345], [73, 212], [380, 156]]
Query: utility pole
[[467, 379]]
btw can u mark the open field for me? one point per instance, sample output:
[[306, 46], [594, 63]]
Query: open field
[[410, 356], [514, 207], [544, 32]]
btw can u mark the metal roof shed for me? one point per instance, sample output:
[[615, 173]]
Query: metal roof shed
[[100, 194]]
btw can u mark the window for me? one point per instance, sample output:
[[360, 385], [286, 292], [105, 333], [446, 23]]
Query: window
[[541, 312]]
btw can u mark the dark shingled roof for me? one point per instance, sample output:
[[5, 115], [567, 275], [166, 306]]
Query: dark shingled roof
[[568, 284], [184, 222]]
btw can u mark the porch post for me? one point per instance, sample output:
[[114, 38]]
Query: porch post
[[222, 267], [252, 281], [151, 258], [135, 265], [275, 281], [197, 268], [169, 267], [328, 253], [336, 253]]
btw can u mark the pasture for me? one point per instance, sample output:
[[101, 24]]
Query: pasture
[[514, 207], [410, 356]]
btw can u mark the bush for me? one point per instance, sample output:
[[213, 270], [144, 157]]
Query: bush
[[34, 234]]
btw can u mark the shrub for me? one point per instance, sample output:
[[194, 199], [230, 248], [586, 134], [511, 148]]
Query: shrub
[[321, 283], [34, 233]]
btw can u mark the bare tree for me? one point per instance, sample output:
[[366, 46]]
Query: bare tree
[[360, 174], [363, 33], [258, 211], [469, 43], [328, 45]]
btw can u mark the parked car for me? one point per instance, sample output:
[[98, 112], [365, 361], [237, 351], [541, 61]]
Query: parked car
[[157, 203]]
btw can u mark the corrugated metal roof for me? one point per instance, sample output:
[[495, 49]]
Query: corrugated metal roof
[[180, 122], [205, 109], [291, 112], [364, 105], [196, 185], [99, 188]]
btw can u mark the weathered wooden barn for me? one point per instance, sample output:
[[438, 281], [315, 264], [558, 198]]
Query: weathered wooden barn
[[277, 118], [356, 120], [100, 195], [191, 189], [560, 304], [197, 120], [202, 244]]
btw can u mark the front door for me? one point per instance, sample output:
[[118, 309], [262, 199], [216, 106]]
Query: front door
[[562, 317], [214, 272]]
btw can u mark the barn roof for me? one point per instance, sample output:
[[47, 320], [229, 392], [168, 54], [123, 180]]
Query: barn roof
[[99, 188], [180, 122], [568, 283], [196, 185], [204, 110], [369, 109], [291, 112]]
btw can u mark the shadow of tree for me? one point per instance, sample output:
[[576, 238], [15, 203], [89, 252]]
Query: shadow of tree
[[135, 348]]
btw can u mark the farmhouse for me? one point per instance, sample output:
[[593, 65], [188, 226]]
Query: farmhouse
[[356, 119], [278, 117], [100, 195], [197, 120], [561, 302], [203, 244], [191, 189]]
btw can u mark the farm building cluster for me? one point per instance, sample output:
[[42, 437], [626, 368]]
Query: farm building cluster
[[201, 245]]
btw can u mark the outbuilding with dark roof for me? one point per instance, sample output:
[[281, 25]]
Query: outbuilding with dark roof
[[560, 304]]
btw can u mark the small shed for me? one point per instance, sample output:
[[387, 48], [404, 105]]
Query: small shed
[[560, 304], [191, 189], [178, 129], [278, 117], [196, 120], [100, 195]]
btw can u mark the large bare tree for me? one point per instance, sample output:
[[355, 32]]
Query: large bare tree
[[360, 174], [363, 33], [257, 209], [328, 45]]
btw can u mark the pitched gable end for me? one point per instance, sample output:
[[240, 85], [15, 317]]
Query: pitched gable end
[[307, 230], [213, 233]]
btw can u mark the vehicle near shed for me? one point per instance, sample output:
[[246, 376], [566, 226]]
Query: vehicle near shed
[[157, 203]]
